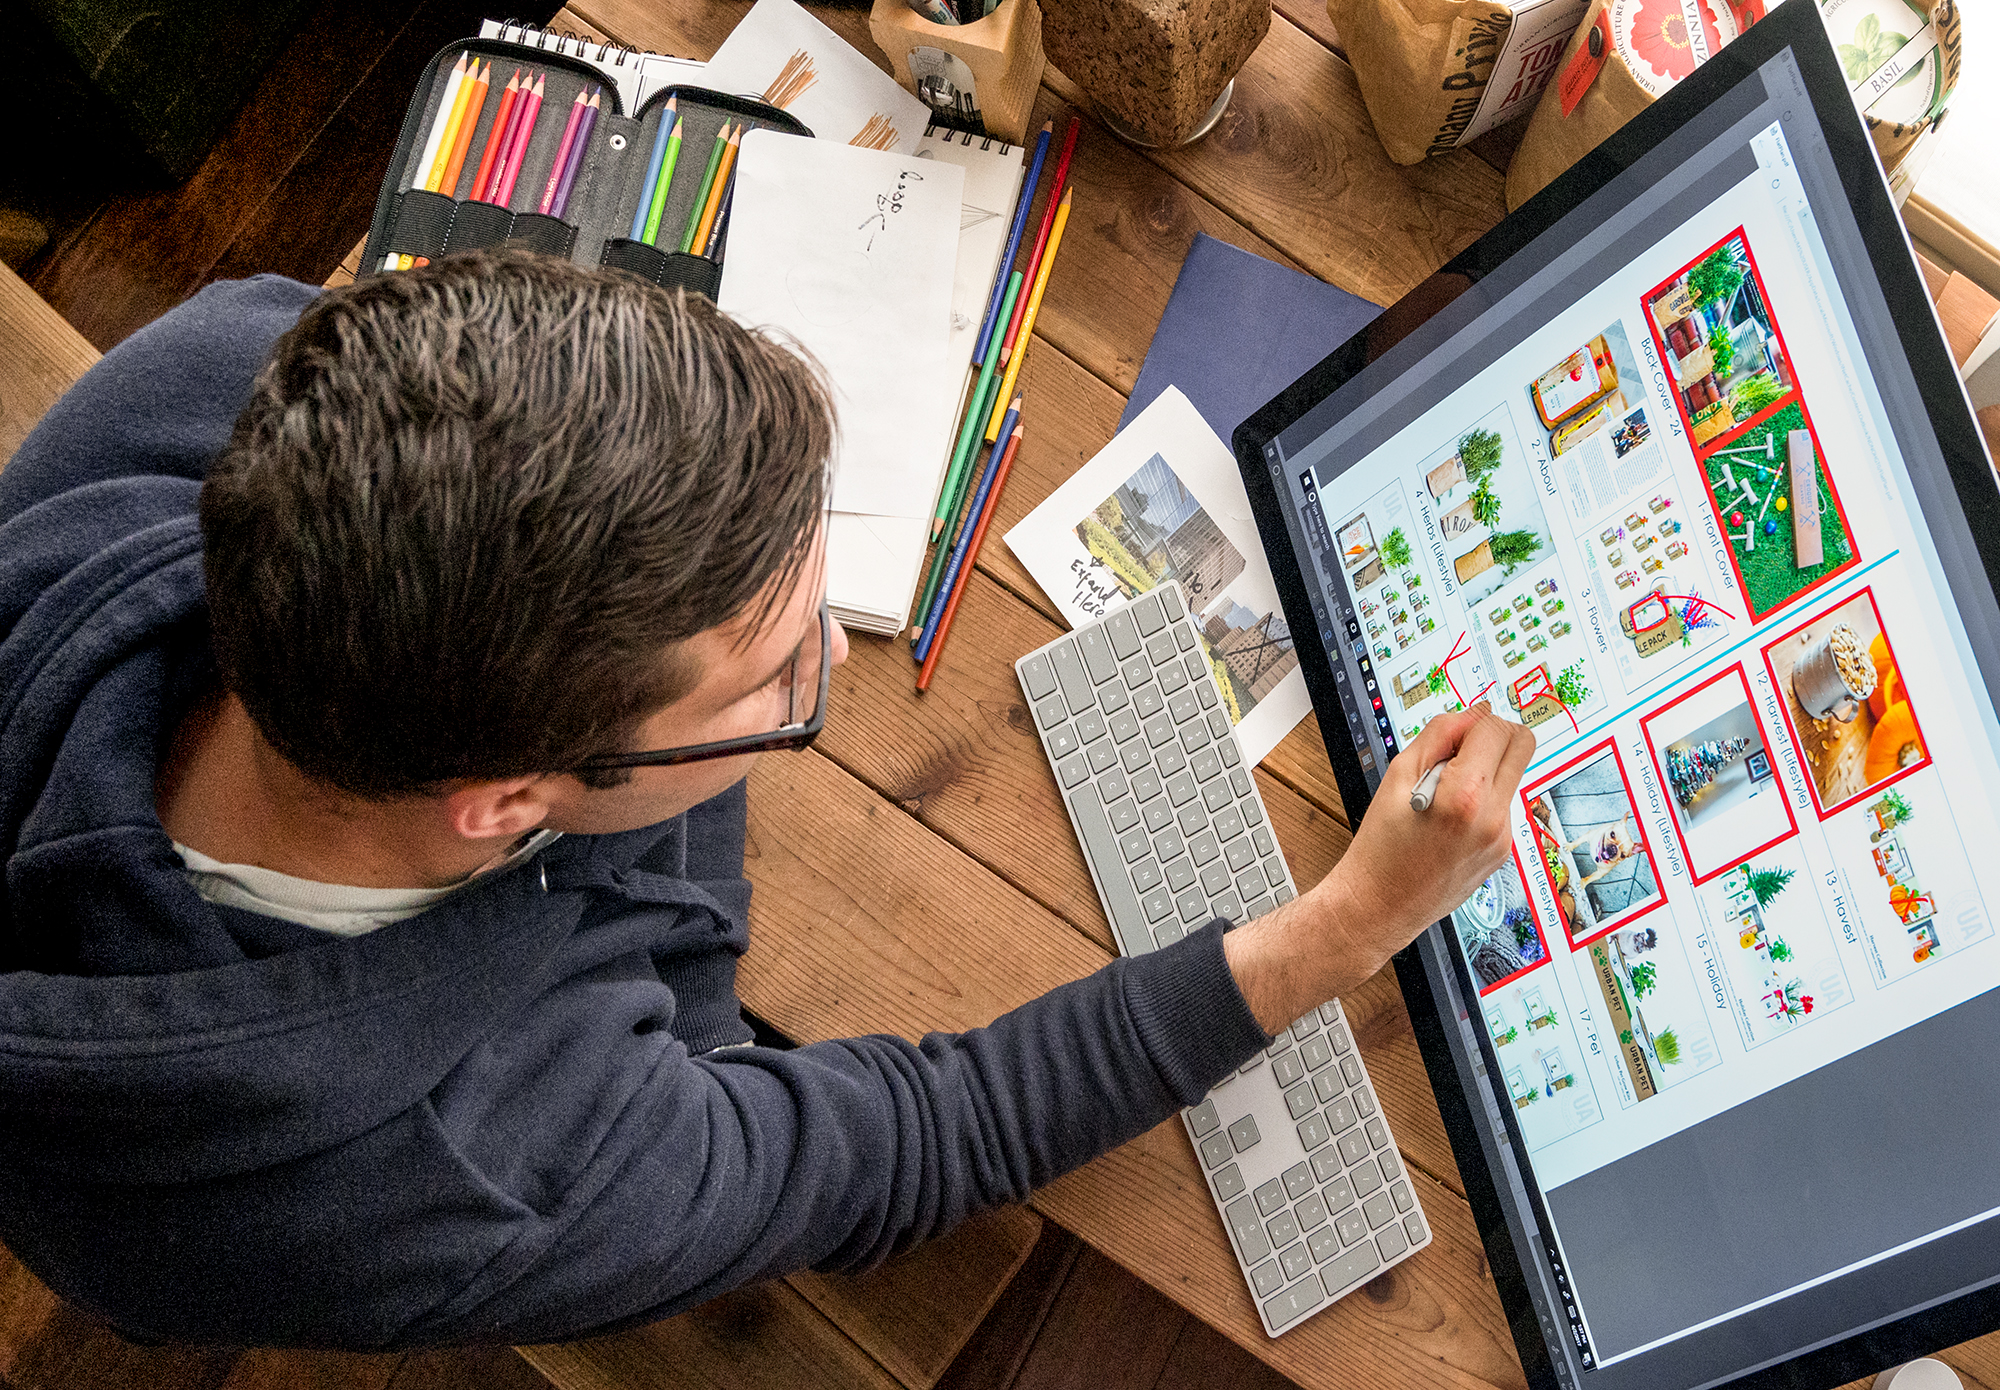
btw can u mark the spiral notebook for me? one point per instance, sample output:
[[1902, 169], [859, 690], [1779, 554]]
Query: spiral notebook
[[635, 74]]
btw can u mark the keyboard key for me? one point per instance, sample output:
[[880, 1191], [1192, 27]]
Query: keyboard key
[[1123, 633], [1168, 933], [1299, 1101], [1294, 1303], [1074, 681], [1184, 638], [1172, 679], [1135, 673], [1315, 1053], [1227, 904], [1134, 843], [1228, 1182], [1038, 676], [1367, 1178], [1239, 855], [1364, 1101], [1401, 1196], [1052, 711], [1243, 1133], [1270, 1196], [1274, 869], [1340, 1115], [1147, 700], [1227, 748], [1158, 729], [1184, 707], [1073, 769], [1112, 787], [1098, 660], [1283, 1230], [1267, 1279], [1338, 1037], [1328, 1084], [1170, 760], [1294, 1257], [1349, 1270], [1168, 844], [1240, 780], [1157, 904], [1339, 1193], [1207, 692], [1157, 814], [1259, 906], [1261, 835], [1192, 906], [1195, 662], [1350, 1068], [1392, 1242], [1310, 1210], [1192, 820], [1215, 1149], [1180, 874], [1132, 755], [1204, 1119], [1353, 1146], [1215, 795], [1329, 1012], [1145, 785], [1390, 1167], [1324, 1245], [1062, 741], [1351, 1225], [1288, 1069], [1214, 878], [1160, 650], [1194, 738], [1089, 726], [1326, 1164], [1103, 756], [1146, 614], [1379, 1210], [1304, 1027], [1124, 813], [1201, 847], [1218, 723], [1170, 604], [1298, 1180], [1313, 1131], [1248, 1228], [1113, 697], [1229, 823], [1146, 875], [1205, 766], [1181, 790], [1378, 1133], [1413, 1227], [1252, 811]]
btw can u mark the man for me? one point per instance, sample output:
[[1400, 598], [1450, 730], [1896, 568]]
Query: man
[[379, 675]]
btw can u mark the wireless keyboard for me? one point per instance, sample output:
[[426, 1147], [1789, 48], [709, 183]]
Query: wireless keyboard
[[1297, 1153]]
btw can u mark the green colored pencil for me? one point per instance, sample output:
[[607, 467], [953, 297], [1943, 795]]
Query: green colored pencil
[[982, 401], [954, 479], [707, 182], [666, 176]]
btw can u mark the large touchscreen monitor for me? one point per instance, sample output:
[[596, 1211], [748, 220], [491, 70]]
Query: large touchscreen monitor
[[1673, 468]]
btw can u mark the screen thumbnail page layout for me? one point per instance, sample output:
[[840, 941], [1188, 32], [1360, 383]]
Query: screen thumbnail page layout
[[1670, 532]]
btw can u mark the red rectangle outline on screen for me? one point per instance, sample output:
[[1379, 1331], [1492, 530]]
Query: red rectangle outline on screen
[[1528, 794], [1533, 916], [1666, 790]]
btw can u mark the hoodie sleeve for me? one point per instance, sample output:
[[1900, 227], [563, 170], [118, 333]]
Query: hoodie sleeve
[[753, 1163], [164, 401]]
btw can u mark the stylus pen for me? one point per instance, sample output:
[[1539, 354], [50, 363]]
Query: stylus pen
[[1426, 790]]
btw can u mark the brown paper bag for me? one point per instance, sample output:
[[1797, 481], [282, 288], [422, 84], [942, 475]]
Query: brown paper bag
[[1423, 66], [1554, 141]]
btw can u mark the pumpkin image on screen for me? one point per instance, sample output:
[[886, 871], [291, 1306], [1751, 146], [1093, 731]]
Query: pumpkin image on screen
[[1894, 745], [1888, 684]]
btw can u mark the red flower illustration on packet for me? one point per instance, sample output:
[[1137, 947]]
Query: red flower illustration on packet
[[1660, 37]]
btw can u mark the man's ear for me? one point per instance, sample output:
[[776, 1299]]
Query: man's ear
[[505, 809]]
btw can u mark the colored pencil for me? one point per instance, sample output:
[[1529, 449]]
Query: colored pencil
[[713, 250], [716, 189], [955, 525], [529, 108], [496, 136], [944, 574], [561, 161], [653, 170], [467, 124], [975, 415], [448, 141], [419, 176], [971, 558], [1057, 186], [707, 182], [1020, 353], [576, 154], [1021, 207], [651, 236]]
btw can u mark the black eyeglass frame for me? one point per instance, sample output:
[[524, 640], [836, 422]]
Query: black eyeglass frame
[[783, 737]]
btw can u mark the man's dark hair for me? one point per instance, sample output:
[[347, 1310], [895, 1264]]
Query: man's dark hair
[[471, 511]]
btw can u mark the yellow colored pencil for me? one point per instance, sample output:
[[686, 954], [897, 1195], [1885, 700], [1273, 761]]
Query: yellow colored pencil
[[421, 178], [720, 181], [468, 122], [1028, 319]]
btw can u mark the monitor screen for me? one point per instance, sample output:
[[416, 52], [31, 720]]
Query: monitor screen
[[1661, 482]]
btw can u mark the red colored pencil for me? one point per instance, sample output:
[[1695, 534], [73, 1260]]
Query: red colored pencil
[[1042, 236], [562, 153], [971, 554], [524, 123], [496, 137]]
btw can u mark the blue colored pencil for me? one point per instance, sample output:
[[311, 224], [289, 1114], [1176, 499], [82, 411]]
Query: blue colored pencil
[[964, 542], [653, 171], [1013, 244]]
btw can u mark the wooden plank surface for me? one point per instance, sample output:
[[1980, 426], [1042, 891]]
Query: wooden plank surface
[[40, 355]]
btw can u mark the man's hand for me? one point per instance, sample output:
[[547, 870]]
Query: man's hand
[[1404, 871]]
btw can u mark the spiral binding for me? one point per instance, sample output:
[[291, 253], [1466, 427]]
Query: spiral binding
[[514, 31], [965, 137]]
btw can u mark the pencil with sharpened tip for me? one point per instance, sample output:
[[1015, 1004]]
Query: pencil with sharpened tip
[[528, 109], [1020, 353], [561, 161], [921, 647], [577, 150], [975, 416], [420, 175], [1021, 206], [941, 556], [651, 236], [1057, 186], [467, 124], [654, 162], [447, 141], [716, 188], [707, 182], [971, 558], [496, 137]]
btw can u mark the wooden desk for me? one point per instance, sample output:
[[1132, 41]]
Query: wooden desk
[[915, 870]]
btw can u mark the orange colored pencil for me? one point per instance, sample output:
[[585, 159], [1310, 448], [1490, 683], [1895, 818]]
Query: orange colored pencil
[[468, 123], [714, 203], [971, 554], [496, 136]]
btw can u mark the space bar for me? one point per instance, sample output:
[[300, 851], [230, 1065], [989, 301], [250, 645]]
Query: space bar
[[1107, 863]]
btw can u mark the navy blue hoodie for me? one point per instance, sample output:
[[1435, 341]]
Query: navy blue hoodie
[[499, 1120]]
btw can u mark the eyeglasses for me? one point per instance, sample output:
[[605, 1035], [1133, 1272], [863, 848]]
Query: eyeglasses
[[810, 671]]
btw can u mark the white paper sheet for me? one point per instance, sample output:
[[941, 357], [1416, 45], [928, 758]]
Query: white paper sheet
[[781, 54], [852, 252], [1163, 500]]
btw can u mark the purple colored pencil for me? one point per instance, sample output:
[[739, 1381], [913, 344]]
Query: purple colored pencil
[[575, 161]]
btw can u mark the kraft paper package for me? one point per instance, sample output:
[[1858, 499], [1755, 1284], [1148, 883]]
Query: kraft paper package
[[1901, 57], [1436, 74]]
